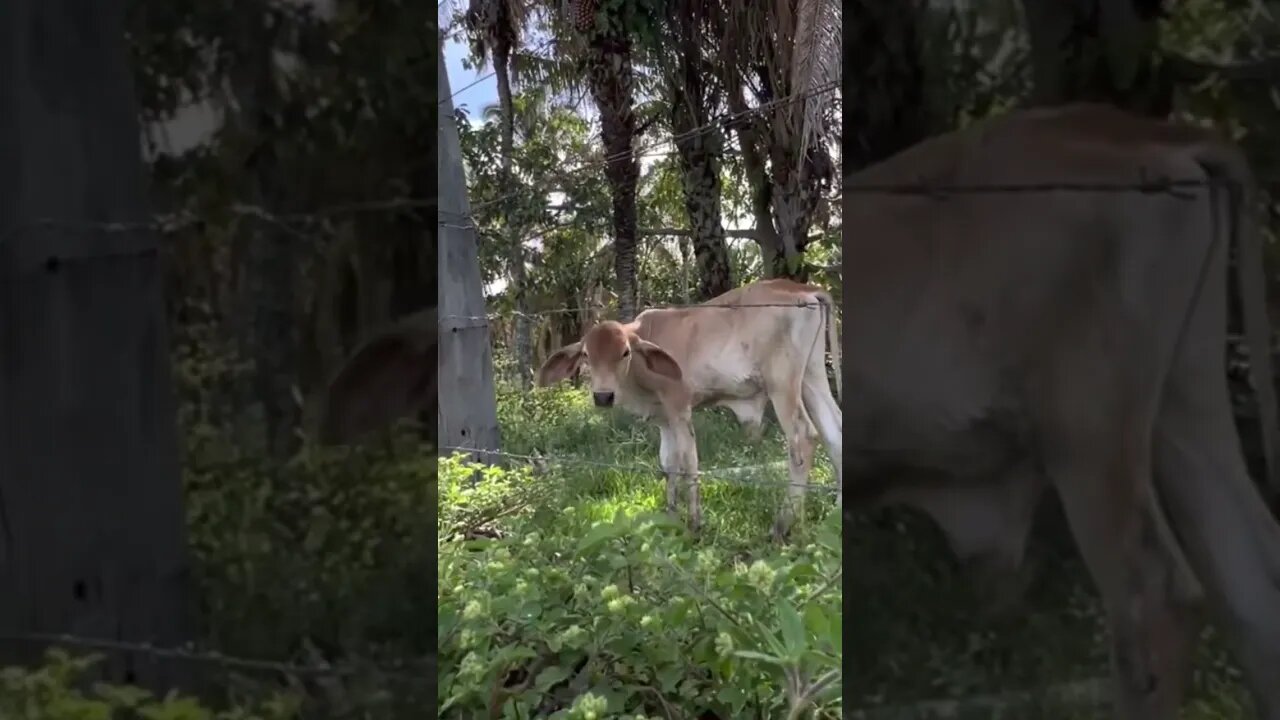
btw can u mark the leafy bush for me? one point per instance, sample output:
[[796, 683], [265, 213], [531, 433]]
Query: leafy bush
[[52, 692], [326, 549], [571, 617], [564, 592]]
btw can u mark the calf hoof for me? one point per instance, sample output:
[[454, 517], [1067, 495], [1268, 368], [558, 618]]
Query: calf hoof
[[695, 523], [1001, 591], [781, 533]]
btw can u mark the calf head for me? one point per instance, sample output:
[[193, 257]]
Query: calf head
[[608, 350]]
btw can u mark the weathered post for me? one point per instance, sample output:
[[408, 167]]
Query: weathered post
[[468, 408], [92, 527]]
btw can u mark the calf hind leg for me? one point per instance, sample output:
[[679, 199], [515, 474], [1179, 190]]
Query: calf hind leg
[[1136, 565], [799, 432], [826, 416], [1229, 536]]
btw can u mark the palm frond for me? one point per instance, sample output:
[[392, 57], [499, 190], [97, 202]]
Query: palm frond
[[559, 77], [815, 65]]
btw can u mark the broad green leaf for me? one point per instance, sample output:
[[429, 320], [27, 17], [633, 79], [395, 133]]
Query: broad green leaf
[[599, 535], [817, 621], [669, 678], [550, 676], [659, 520], [793, 635], [734, 697]]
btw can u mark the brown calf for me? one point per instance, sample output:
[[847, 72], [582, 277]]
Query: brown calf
[[1009, 343], [759, 343]]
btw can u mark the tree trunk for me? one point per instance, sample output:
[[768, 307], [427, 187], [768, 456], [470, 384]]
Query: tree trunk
[[92, 524], [611, 80], [750, 130], [686, 296], [699, 148], [269, 259], [523, 339], [883, 82], [1099, 51], [795, 199], [700, 168]]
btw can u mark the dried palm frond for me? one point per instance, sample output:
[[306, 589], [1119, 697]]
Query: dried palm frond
[[815, 65]]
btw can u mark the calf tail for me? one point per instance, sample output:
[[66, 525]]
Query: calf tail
[[833, 336], [1253, 307], [1229, 165]]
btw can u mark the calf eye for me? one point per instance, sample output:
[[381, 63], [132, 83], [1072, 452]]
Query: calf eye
[[626, 352]]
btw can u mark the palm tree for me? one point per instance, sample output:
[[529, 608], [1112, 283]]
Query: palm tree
[[693, 94], [785, 53], [1100, 51], [495, 28], [608, 56], [888, 109]]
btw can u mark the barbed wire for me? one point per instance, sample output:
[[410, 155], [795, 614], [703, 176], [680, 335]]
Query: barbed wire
[[727, 474], [177, 221], [213, 657], [483, 320], [305, 226], [467, 87], [924, 186], [454, 94], [1144, 184]]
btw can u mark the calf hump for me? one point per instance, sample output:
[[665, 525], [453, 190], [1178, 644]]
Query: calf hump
[[390, 376]]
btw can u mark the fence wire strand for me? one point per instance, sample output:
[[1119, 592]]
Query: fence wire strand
[[212, 657], [487, 320], [184, 219], [729, 474], [745, 475]]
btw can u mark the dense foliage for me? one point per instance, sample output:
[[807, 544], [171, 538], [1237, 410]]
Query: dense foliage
[[300, 226], [563, 592]]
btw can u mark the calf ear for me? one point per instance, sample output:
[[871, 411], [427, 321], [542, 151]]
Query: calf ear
[[657, 359], [390, 376], [560, 365]]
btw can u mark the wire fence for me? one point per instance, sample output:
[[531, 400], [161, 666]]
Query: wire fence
[[190, 653], [1091, 694], [303, 222], [534, 314], [177, 221], [735, 474], [743, 475]]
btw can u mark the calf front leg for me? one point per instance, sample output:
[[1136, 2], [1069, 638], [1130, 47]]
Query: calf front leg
[[678, 451], [667, 456]]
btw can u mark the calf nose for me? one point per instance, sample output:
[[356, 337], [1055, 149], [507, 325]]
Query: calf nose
[[603, 399]]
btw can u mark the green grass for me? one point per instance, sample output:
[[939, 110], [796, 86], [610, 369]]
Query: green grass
[[561, 424], [917, 626], [585, 517], [572, 596]]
